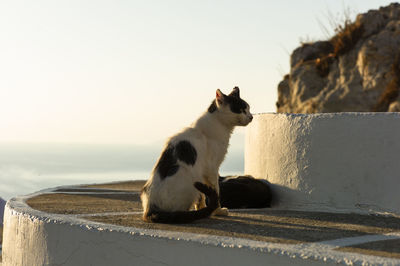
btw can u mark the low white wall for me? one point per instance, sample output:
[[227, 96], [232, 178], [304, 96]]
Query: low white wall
[[31, 237], [335, 162], [35, 238]]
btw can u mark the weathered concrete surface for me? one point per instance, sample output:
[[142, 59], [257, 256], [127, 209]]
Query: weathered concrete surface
[[96, 202], [387, 248], [339, 162], [128, 185], [105, 235], [278, 226]]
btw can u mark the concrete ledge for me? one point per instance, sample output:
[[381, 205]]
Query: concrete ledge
[[342, 162], [246, 237]]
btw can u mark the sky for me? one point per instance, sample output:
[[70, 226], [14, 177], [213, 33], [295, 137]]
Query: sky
[[137, 71]]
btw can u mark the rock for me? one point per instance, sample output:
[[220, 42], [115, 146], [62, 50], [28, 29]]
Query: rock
[[357, 70], [310, 52]]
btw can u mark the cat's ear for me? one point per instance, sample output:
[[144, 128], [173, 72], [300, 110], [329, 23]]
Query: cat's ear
[[235, 92], [219, 96]]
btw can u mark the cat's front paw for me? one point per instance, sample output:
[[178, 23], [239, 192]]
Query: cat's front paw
[[221, 212]]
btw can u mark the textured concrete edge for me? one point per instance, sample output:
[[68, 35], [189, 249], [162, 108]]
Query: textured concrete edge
[[322, 251]]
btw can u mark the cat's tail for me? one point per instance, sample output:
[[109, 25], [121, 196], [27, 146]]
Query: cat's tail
[[156, 215]]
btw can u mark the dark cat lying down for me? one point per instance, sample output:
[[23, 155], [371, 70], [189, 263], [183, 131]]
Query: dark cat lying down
[[244, 192]]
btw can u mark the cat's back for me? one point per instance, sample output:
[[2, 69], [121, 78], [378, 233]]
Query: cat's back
[[191, 136], [184, 150]]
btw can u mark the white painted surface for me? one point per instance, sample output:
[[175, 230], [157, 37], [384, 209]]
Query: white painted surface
[[32, 237], [35, 238], [346, 162]]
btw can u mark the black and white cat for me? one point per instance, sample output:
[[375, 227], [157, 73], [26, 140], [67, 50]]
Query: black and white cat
[[191, 159]]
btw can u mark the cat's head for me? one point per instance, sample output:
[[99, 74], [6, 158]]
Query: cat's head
[[231, 108]]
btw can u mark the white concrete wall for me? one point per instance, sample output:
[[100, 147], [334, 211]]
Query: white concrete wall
[[35, 238], [334, 162]]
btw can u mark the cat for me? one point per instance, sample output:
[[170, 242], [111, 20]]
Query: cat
[[238, 192], [187, 170]]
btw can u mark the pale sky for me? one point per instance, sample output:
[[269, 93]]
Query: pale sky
[[138, 71]]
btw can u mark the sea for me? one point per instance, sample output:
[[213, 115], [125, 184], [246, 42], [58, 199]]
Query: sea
[[30, 167]]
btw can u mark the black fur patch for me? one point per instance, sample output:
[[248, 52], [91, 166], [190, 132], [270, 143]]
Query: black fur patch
[[235, 92], [167, 164], [244, 192], [236, 104], [186, 152], [183, 151], [213, 107]]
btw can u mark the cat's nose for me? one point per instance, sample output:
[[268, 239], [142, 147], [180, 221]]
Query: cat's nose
[[251, 117]]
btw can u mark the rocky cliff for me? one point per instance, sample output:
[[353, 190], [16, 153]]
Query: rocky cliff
[[358, 69]]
